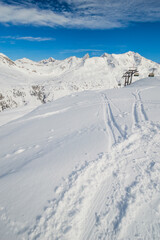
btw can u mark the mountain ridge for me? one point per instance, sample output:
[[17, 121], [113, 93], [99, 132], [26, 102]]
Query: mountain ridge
[[24, 79]]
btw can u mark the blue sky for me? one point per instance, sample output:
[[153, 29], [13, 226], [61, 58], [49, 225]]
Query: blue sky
[[63, 28]]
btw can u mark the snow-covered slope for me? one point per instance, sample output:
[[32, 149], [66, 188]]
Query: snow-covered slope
[[54, 78], [84, 167]]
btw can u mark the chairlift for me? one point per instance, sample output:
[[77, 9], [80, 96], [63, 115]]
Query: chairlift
[[151, 74], [136, 74], [132, 68]]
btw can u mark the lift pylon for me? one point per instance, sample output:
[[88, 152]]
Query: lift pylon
[[128, 75]]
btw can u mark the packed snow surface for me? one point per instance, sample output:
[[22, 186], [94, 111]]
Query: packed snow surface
[[84, 167]]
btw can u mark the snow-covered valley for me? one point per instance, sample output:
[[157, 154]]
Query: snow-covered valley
[[85, 166], [26, 82]]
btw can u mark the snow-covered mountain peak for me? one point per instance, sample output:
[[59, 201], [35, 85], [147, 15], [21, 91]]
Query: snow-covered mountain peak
[[25, 60], [86, 56], [6, 60], [73, 58], [3, 55], [106, 55], [70, 62], [130, 53], [49, 60]]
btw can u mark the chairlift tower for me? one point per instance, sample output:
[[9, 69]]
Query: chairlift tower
[[128, 75]]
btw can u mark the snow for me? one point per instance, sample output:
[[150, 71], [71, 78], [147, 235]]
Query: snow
[[58, 78], [83, 167], [12, 114]]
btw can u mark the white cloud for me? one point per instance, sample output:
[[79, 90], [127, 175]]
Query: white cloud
[[35, 39], [19, 15], [28, 38], [81, 50], [93, 14]]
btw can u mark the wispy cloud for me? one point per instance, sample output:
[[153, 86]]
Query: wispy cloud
[[31, 39], [81, 50], [93, 14]]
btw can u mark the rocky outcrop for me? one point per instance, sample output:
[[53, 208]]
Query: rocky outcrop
[[11, 98]]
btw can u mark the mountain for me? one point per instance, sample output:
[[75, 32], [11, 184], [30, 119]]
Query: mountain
[[85, 166], [5, 60], [49, 60], [25, 81]]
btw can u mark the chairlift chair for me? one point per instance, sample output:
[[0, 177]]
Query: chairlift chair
[[136, 74], [151, 74]]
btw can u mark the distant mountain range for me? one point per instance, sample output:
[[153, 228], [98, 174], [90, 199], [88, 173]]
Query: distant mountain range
[[28, 82]]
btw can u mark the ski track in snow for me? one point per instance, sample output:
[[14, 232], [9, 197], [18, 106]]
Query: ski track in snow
[[114, 130], [99, 200], [138, 109]]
